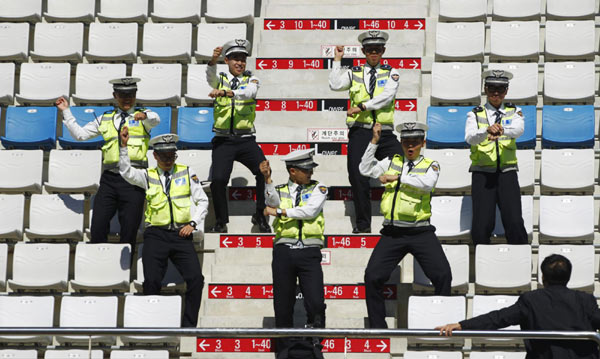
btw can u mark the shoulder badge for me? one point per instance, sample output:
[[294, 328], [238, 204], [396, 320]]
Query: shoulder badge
[[280, 186], [222, 74], [477, 109], [323, 189], [520, 113], [509, 104], [435, 166], [357, 68], [247, 73], [254, 81], [395, 77], [195, 179], [386, 67]]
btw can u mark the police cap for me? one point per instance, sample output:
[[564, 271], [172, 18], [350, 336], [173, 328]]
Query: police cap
[[300, 159], [125, 84], [412, 129], [237, 45], [164, 143], [373, 37]]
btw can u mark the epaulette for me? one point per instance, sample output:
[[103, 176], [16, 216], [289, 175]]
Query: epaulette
[[108, 112], [509, 104], [386, 67], [222, 74], [477, 109], [356, 68], [280, 186], [247, 73], [140, 109]]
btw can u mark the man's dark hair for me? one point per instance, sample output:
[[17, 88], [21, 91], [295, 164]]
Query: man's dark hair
[[556, 270]]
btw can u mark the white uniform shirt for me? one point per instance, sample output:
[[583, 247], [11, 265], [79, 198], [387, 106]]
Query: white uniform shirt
[[311, 208], [340, 79], [370, 167], [139, 177], [512, 129]]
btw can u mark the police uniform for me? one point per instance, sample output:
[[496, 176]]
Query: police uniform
[[494, 178], [406, 208], [373, 89], [234, 136], [114, 193], [174, 199]]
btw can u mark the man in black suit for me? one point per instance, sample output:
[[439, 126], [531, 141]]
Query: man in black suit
[[555, 307]]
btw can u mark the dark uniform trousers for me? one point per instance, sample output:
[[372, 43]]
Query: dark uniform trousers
[[358, 140], [394, 244], [159, 246], [502, 188], [225, 150], [115, 194]]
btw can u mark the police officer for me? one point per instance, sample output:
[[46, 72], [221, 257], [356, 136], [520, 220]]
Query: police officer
[[234, 112], [372, 90], [114, 192], [176, 204], [299, 225], [491, 131], [405, 205]]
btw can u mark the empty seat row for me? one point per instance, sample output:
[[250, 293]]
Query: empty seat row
[[476, 10]]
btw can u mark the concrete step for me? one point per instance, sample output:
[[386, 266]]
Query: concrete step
[[359, 10], [261, 256], [269, 322]]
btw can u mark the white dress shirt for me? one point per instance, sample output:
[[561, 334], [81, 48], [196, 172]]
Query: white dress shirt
[[512, 129], [139, 177], [340, 79], [311, 208]]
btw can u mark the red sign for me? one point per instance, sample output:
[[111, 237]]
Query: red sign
[[297, 24], [265, 291], [392, 24], [290, 64], [233, 241], [406, 105], [341, 345], [242, 194], [280, 149], [352, 241], [261, 345], [286, 105], [397, 63]]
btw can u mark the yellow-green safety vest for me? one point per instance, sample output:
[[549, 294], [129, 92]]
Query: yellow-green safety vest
[[359, 94], [137, 145], [403, 205], [242, 112], [484, 156], [289, 230], [174, 208]]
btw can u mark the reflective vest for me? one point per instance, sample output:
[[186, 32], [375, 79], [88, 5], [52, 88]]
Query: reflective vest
[[289, 230], [403, 205], [359, 93], [137, 145], [242, 112], [484, 156], [162, 209]]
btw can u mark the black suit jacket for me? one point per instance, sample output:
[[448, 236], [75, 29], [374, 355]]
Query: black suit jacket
[[552, 308]]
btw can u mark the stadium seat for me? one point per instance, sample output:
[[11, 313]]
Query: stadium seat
[[40, 266], [14, 42], [172, 279], [166, 42], [454, 165], [432, 354], [213, 35], [515, 41], [447, 126], [73, 354], [25, 167], [582, 259], [568, 126], [458, 257], [451, 215], [74, 171], [7, 82], [197, 87], [3, 264], [566, 218], [88, 311], [459, 41], [26, 311], [497, 355], [576, 9], [527, 213], [71, 11], [445, 76], [142, 311], [102, 267], [164, 125], [523, 87], [118, 11], [59, 41], [463, 10], [18, 353], [230, 11], [55, 216], [83, 115], [570, 40], [30, 128], [139, 354], [198, 160], [578, 164], [43, 83], [12, 211], [112, 42], [432, 311], [528, 138], [92, 83], [526, 174], [21, 10], [502, 268], [161, 83], [516, 10], [483, 304], [194, 127], [176, 11], [569, 82]]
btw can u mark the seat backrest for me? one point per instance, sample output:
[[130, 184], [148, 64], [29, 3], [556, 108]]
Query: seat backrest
[[194, 125], [22, 167], [89, 311], [445, 76], [113, 38], [45, 79], [19, 353], [451, 215], [229, 8], [7, 82], [198, 160], [139, 354], [569, 81], [14, 38], [463, 10], [581, 258], [431, 311], [76, 168], [119, 8], [152, 311], [158, 80], [73, 354], [503, 265], [177, 8], [59, 38], [26, 311], [213, 35], [56, 212], [515, 39], [458, 257], [516, 9], [167, 39], [20, 9], [71, 8], [568, 126], [12, 212], [41, 263], [92, 80], [196, 80], [567, 216], [483, 304], [3, 262], [102, 262]]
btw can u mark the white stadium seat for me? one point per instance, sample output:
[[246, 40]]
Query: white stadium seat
[[25, 167], [171, 280], [229, 11], [514, 40], [497, 355], [74, 171], [161, 83], [88, 311], [502, 268], [43, 266], [516, 9], [3, 265], [112, 42], [565, 218], [58, 41], [71, 11], [18, 353], [56, 216], [14, 41], [569, 10], [578, 163], [12, 212], [7, 83], [432, 354], [463, 10], [43, 83], [214, 35], [569, 82], [524, 85], [570, 40], [458, 257], [26, 311], [445, 76], [454, 164], [483, 304], [119, 11], [459, 41], [176, 11], [21, 10], [582, 259], [526, 174], [451, 215], [198, 160], [431, 311], [197, 87], [92, 82], [167, 42], [139, 354], [142, 311], [73, 354], [527, 213], [102, 267]]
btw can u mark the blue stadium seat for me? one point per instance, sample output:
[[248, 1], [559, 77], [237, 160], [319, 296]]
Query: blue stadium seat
[[83, 115], [447, 126], [194, 127], [527, 139], [165, 120], [568, 126], [30, 128]]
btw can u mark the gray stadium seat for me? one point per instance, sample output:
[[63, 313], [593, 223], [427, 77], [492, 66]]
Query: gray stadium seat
[[161, 83], [516, 9], [74, 171], [56, 216], [92, 82], [112, 42], [569, 82], [166, 42], [14, 41], [12, 211], [43, 83], [102, 267], [26, 169], [21, 10], [176, 11], [88, 311], [59, 41], [570, 10], [514, 41], [119, 11], [230, 11], [445, 76], [71, 11], [502, 268], [460, 41], [26, 311], [570, 40], [40, 266], [463, 10], [213, 35]]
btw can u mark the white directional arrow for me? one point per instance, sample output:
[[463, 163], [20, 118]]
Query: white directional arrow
[[201, 345], [261, 64], [235, 195], [381, 346], [226, 242], [419, 27], [410, 105], [214, 292], [414, 64], [389, 292], [269, 25]]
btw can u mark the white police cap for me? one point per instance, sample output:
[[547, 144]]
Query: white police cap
[[373, 37], [166, 142], [237, 45], [125, 83], [412, 129], [496, 77], [301, 159]]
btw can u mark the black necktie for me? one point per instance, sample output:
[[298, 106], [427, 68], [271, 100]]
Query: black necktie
[[123, 117], [372, 80], [234, 83], [411, 164], [498, 116], [167, 182], [298, 196]]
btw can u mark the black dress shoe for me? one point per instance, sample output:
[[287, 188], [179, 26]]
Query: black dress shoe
[[261, 221], [218, 228], [356, 230]]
